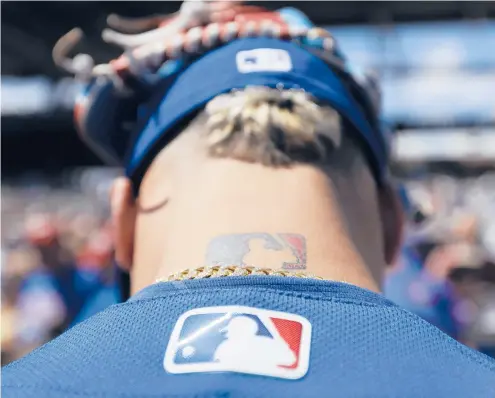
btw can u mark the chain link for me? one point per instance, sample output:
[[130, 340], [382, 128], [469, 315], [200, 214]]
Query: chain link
[[218, 271]]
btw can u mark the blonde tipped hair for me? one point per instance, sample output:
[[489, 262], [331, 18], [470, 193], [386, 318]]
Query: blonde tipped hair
[[271, 126]]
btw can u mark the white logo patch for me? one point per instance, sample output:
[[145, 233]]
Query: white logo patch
[[241, 340], [263, 60]]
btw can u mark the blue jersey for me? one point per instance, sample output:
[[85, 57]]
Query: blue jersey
[[252, 336]]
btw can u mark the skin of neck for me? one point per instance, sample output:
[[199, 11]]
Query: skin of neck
[[184, 206]]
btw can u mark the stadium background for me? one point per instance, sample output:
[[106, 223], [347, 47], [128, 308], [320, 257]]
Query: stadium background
[[438, 78]]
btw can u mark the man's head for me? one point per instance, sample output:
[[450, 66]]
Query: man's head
[[251, 126], [240, 145], [241, 327]]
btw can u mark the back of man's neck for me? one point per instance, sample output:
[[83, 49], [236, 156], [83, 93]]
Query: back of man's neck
[[277, 219]]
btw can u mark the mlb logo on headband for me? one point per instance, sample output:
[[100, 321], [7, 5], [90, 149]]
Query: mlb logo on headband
[[263, 60]]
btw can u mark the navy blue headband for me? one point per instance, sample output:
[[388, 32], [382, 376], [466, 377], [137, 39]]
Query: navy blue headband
[[253, 62]]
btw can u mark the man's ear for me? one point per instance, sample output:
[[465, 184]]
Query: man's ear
[[124, 213], [392, 216]]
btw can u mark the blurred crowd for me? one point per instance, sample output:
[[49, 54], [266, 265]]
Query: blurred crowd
[[446, 270], [57, 259], [57, 266]]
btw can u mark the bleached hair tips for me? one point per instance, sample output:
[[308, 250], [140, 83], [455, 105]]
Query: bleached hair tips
[[271, 126]]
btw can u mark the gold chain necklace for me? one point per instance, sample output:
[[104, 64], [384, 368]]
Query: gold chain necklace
[[218, 271]]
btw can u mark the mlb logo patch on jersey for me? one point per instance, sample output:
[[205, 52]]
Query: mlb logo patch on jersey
[[241, 340]]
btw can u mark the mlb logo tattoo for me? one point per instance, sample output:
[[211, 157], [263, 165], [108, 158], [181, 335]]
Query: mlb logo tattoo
[[282, 250], [241, 340]]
